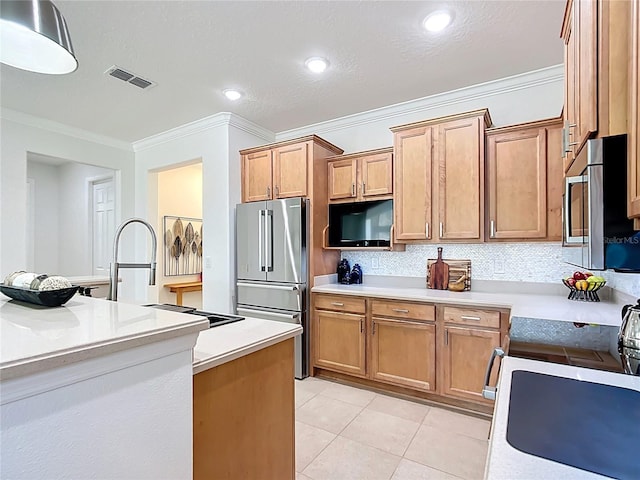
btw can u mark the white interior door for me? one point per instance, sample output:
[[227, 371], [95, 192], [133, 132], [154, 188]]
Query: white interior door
[[104, 214]]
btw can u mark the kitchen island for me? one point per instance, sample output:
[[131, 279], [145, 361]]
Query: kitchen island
[[107, 389], [95, 389], [243, 401]]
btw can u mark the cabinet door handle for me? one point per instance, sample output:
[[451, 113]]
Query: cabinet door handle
[[426, 230], [277, 190], [268, 191], [353, 189], [571, 144], [361, 325], [401, 310], [363, 188], [373, 327], [493, 229], [441, 229], [337, 304], [446, 336], [466, 317]]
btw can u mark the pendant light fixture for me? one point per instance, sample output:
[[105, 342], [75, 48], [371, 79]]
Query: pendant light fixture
[[34, 37]]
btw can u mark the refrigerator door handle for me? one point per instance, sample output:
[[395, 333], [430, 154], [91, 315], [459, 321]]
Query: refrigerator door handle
[[260, 238], [287, 288], [269, 239], [292, 317]]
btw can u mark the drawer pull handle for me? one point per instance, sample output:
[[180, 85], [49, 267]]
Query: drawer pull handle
[[466, 317], [337, 304], [401, 310]]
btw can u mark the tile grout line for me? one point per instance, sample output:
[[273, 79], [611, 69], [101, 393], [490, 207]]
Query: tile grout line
[[314, 458]]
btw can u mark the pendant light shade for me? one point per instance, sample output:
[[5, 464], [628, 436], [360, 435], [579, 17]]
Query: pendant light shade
[[34, 37]]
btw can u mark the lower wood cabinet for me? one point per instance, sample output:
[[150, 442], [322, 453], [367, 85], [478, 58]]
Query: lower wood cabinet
[[464, 360], [403, 353], [441, 350], [340, 342]]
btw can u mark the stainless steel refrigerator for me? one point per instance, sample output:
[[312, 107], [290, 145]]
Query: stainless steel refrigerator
[[271, 265]]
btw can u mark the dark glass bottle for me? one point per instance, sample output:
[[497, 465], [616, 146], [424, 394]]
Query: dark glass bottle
[[356, 274], [343, 272]]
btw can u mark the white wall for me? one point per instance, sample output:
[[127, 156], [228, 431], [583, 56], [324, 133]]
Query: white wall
[[21, 134], [208, 140], [179, 193], [46, 204]]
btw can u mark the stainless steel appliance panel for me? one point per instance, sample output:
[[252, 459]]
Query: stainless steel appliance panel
[[250, 245], [272, 295], [300, 342], [285, 240]]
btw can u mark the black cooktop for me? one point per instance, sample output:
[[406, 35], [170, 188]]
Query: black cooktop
[[587, 425], [215, 319]]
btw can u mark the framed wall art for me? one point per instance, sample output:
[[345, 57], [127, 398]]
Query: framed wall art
[[182, 246]]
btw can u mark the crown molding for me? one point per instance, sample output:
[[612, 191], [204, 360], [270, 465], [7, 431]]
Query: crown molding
[[248, 126], [191, 128], [521, 81], [56, 127], [197, 126]]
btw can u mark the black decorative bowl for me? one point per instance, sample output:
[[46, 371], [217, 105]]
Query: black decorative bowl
[[47, 298], [587, 295]]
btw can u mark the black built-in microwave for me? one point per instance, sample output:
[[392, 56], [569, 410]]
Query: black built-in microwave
[[363, 224]]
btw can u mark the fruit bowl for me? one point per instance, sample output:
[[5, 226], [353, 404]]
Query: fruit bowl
[[578, 291]]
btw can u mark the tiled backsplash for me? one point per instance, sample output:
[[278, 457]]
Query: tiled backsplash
[[530, 262]]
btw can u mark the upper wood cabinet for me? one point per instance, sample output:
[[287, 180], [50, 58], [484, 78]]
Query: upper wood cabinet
[[460, 163], [634, 117], [361, 176], [283, 170], [412, 202], [256, 178], [524, 181], [439, 172], [290, 170], [596, 37]]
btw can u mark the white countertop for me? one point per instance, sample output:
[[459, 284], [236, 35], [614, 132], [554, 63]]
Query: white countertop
[[506, 462], [543, 307], [34, 338], [222, 344]]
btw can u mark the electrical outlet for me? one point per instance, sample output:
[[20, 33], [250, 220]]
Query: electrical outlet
[[207, 262], [375, 263], [498, 266]]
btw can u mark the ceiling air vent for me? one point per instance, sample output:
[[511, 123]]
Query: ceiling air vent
[[129, 77]]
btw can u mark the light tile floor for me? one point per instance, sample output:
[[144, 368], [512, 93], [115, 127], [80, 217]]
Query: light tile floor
[[347, 433]]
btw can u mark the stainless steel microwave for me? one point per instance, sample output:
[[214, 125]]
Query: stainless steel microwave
[[597, 235]]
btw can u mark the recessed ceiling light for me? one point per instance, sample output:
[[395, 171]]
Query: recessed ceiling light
[[316, 64], [437, 21], [232, 94]]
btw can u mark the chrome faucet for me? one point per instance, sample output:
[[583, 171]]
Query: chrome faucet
[[116, 266]]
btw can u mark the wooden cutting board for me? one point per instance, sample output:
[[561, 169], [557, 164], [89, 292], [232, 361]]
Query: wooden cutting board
[[438, 273], [457, 268]]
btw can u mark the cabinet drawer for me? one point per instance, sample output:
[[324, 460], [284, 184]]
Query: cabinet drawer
[[416, 311], [478, 318], [340, 303]]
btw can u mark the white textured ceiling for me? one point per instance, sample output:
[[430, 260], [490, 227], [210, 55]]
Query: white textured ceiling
[[379, 55]]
